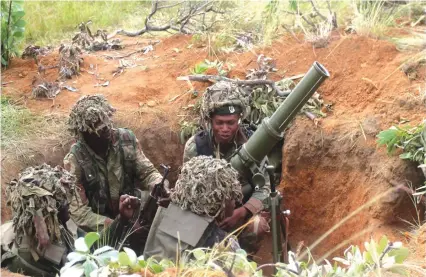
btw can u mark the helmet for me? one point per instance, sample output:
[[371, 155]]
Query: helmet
[[224, 98]]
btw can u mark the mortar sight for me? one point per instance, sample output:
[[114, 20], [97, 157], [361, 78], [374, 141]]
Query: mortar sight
[[252, 154]]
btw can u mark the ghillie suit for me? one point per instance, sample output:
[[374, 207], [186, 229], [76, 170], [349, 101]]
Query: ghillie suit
[[43, 233], [124, 169], [97, 42], [69, 61], [87, 112], [198, 203]]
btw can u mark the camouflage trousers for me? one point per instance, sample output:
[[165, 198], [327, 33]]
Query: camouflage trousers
[[252, 235]]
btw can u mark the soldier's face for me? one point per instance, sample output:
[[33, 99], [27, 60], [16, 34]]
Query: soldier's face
[[225, 127]]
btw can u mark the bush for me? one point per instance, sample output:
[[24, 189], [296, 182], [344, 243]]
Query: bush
[[12, 29]]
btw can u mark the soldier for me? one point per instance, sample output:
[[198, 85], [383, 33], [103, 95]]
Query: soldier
[[107, 162], [41, 233], [205, 194], [223, 107]]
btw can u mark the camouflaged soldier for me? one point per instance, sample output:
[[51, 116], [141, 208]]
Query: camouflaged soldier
[[41, 233], [205, 193], [107, 162], [224, 105]]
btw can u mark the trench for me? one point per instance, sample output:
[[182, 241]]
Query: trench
[[325, 177]]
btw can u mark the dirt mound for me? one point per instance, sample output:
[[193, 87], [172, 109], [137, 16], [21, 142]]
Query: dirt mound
[[329, 171]]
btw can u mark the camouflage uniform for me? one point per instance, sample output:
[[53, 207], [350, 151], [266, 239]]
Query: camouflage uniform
[[101, 181], [126, 167]]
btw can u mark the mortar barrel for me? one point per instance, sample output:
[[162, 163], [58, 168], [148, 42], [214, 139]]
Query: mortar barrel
[[271, 130]]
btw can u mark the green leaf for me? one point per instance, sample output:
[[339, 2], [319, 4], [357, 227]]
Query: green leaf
[[131, 255], [400, 254], [156, 268], [91, 238], [89, 266], [406, 156], [123, 259], [20, 23], [16, 15], [382, 245], [3, 61], [293, 5], [199, 254], [18, 34], [142, 263], [166, 263]]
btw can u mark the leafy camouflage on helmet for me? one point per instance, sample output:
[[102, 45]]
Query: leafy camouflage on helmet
[[39, 191], [205, 184], [223, 94], [90, 114]]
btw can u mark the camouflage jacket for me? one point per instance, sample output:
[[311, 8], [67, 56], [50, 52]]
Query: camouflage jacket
[[255, 200], [101, 182]]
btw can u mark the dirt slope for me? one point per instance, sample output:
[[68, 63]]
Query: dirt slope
[[329, 170]]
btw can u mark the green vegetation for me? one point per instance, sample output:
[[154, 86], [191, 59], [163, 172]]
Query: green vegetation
[[53, 21], [412, 141], [379, 258], [19, 125], [12, 29], [16, 122]]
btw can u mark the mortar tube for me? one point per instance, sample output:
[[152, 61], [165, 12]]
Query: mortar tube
[[271, 129]]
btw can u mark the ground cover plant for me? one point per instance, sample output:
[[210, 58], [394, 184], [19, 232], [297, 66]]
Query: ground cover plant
[[378, 258]]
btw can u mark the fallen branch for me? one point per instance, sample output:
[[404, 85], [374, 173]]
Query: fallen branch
[[215, 78], [144, 49]]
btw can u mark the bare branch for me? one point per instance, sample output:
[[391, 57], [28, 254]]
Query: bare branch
[[184, 18], [317, 11]]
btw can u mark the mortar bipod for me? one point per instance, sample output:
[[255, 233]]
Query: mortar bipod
[[279, 222]]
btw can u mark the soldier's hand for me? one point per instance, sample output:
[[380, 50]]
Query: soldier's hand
[[237, 218], [128, 205]]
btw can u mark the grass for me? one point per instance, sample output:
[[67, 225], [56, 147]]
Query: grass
[[49, 22], [372, 19], [19, 126]]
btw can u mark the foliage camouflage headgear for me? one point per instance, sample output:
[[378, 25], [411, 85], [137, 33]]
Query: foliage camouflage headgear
[[88, 112], [224, 98], [40, 190], [205, 184]]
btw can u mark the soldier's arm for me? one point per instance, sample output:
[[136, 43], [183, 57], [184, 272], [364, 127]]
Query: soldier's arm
[[190, 150], [255, 202], [146, 173], [79, 208]]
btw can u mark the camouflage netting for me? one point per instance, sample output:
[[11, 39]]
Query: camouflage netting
[[90, 114], [46, 90], [97, 42], [205, 184], [39, 191], [69, 61], [223, 94]]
